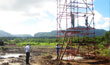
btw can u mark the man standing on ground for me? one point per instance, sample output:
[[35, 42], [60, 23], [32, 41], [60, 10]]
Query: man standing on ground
[[27, 50], [57, 50]]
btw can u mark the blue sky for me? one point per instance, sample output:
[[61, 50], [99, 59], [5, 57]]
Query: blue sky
[[103, 7]]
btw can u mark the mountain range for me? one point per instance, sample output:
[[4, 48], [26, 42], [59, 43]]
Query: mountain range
[[6, 34], [98, 32]]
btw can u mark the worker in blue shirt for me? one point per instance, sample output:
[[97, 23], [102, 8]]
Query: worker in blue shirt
[[57, 50]]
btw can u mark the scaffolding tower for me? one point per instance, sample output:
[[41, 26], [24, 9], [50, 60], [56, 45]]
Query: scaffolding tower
[[75, 27]]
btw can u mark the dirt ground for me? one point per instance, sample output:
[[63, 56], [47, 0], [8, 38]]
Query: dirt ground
[[46, 56]]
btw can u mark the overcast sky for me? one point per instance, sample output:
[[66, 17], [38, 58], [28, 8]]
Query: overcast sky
[[32, 16]]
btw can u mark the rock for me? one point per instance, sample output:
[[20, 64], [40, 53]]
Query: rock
[[68, 64], [21, 55], [1, 58], [47, 57], [5, 63]]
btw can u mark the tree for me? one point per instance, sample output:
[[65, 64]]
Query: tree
[[107, 37]]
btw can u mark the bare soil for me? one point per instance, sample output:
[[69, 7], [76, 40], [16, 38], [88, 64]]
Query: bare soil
[[46, 56]]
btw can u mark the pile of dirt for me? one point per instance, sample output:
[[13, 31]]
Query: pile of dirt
[[47, 60], [103, 59]]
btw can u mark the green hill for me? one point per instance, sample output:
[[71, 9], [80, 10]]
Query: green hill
[[5, 34], [98, 32], [46, 34]]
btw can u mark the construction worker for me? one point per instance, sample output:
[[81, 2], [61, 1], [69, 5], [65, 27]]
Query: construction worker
[[27, 50], [86, 20], [57, 50], [1, 43], [72, 19]]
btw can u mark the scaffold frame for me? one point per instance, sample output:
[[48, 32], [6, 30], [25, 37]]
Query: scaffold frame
[[69, 25]]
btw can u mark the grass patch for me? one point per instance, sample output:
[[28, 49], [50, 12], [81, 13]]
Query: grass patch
[[36, 44]]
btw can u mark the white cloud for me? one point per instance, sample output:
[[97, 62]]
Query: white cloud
[[32, 16], [27, 16], [101, 22]]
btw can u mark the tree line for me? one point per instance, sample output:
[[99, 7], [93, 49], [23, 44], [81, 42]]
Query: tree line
[[105, 39]]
